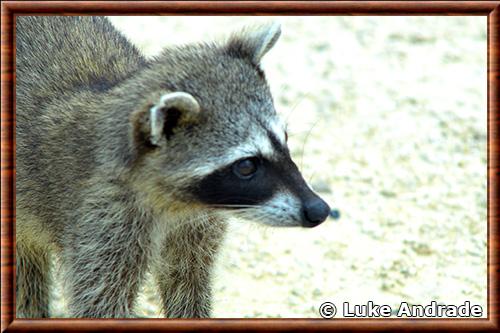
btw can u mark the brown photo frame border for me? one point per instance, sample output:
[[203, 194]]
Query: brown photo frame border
[[9, 9]]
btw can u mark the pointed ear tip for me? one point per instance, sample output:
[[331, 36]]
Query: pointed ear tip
[[254, 41], [271, 28], [274, 26], [267, 28]]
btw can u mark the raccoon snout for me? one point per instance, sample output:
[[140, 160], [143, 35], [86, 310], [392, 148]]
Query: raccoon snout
[[316, 211]]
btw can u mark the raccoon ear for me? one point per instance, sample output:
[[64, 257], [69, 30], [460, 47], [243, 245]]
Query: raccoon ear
[[173, 110], [253, 43]]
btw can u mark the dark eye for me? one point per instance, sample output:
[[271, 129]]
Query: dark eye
[[245, 168], [286, 136]]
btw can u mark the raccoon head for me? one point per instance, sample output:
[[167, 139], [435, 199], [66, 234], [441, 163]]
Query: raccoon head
[[211, 136]]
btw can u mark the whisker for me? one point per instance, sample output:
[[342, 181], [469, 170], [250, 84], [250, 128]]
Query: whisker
[[294, 107], [236, 206], [223, 197], [312, 177], [305, 142]]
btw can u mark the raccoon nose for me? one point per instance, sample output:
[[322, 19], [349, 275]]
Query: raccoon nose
[[315, 212]]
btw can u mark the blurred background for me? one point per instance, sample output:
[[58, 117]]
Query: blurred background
[[387, 121]]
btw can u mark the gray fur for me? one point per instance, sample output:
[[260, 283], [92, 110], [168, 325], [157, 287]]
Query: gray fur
[[94, 190]]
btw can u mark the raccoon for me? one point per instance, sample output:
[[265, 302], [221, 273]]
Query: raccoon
[[127, 165]]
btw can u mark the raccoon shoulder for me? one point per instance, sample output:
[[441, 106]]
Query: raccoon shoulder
[[60, 54]]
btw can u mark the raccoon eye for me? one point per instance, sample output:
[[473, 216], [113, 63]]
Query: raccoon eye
[[245, 168]]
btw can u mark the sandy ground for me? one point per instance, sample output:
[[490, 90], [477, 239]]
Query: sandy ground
[[387, 120]]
